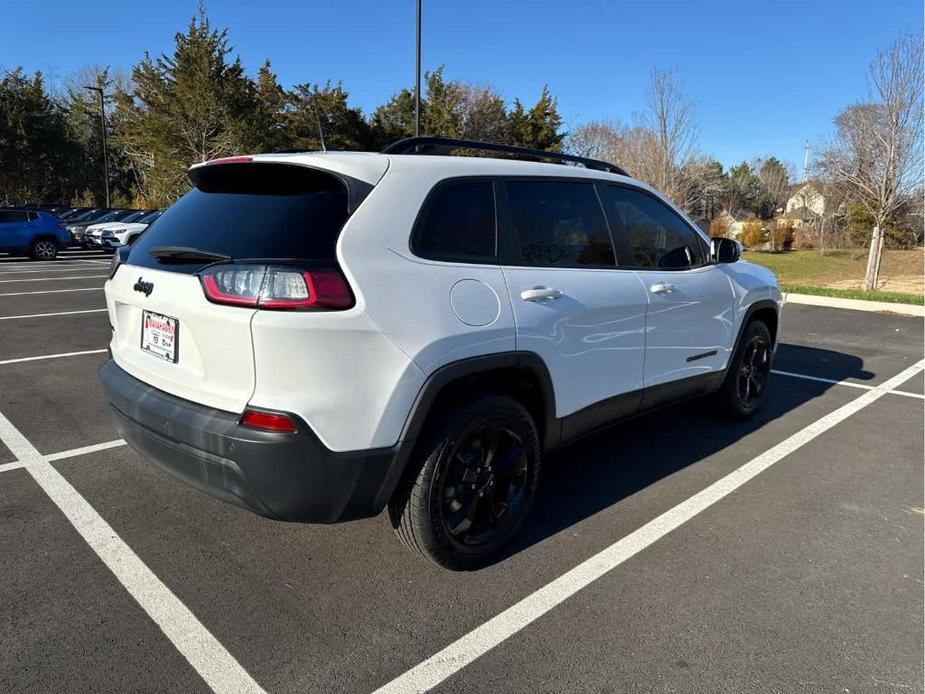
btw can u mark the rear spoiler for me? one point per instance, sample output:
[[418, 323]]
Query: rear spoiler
[[357, 190]]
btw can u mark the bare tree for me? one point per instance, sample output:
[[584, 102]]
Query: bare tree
[[631, 147], [596, 140], [671, 118], [657, 148], [481, 113], [877, 146]]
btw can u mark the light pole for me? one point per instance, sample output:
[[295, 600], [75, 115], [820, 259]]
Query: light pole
[[417, 72], [99, 90]]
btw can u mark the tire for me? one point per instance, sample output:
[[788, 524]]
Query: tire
[[747, 378], [43, 249], [461, 503]]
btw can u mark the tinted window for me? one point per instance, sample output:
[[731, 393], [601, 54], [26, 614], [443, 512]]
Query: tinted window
[[80, 216], [12, 216], [557, 223], [458, 223], [651, 233], [267, 211]]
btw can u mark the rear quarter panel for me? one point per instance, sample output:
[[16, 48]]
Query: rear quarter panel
[[436, 312]]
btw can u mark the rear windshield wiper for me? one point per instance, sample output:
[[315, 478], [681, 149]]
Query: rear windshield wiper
[[184, 254]]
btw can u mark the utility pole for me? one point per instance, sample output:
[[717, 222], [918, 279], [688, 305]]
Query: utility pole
[[417, 72], [99, 90], [805, 162]]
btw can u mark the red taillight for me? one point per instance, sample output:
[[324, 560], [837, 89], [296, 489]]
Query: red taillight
[[279, 288], [268, 421], [323, 289]]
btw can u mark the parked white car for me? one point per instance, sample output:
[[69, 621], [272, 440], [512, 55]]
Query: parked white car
[[316, 336], [115, 235], [92, 233]]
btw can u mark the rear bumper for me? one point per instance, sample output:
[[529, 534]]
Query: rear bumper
[[283, 476]]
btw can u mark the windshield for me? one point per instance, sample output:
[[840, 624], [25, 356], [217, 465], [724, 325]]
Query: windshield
[[148, 217]]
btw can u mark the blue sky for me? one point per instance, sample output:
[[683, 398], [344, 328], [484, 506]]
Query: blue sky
[[765, 76]]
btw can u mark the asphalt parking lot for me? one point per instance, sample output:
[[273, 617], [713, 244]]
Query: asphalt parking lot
[[678, 553]]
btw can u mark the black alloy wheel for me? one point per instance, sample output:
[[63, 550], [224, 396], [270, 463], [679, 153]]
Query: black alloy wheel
[[747, 376], [753, 371], [469, 483], [483, 486]]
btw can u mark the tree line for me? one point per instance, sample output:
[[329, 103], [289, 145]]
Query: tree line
[[198, 102]]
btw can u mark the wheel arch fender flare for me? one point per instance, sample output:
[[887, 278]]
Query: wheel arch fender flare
[[763, 306], [496, 364]]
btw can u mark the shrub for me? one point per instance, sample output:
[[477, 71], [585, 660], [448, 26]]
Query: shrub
[[719, 227], [782, 234], [752, 233], [804, 238]]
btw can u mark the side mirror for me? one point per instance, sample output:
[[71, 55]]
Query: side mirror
[[724, 250]]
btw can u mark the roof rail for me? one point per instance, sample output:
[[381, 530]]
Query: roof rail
[[438, 145]]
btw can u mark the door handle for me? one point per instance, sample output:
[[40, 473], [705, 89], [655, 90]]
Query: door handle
[[662, 288], [540, 294]]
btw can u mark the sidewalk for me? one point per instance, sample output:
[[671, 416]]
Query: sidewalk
[[856, 304]]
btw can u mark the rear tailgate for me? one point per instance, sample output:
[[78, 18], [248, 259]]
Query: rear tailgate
[[214, 354], [242, 213]]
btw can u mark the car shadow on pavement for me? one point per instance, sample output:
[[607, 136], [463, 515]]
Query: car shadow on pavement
[[600, 470], [821, 363]]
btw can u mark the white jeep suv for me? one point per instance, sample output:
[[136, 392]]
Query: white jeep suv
[[318, 336]]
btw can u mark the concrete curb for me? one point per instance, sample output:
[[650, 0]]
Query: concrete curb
[[855, 304]]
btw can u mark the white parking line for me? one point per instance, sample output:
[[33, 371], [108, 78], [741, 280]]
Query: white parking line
[[72, 453], [56, 279], [20, 360], [482, 639], [83, 450], [850, 384], [208, 657], [55, 291], [62, 260], [85, 267], [56, 313]]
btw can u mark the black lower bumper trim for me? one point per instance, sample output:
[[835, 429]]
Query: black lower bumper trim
[[284, 476]]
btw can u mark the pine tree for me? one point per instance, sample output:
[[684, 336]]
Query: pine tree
[[193, 105], [343, 126], [539, 127], [268, 131], [393, 120], [35, 152], [442, 108]]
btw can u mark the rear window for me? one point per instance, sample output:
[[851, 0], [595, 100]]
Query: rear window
[[266, 211], [458, 223], [557, 224]]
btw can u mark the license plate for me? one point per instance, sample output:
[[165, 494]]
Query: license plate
[[159, 335]]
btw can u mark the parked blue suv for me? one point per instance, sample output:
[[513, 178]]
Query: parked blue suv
[[35, 233]]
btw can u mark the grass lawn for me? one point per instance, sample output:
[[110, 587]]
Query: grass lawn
[[889, 297], [841, 273]]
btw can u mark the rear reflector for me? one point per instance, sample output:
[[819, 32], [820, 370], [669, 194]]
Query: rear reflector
[[280, 288], [268, 421]]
